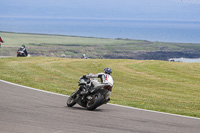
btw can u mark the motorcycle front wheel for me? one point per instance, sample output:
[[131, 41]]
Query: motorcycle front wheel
[[94, 102], [71, 101]]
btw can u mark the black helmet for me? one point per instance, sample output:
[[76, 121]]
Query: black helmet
[[107, 70], [23, 46]]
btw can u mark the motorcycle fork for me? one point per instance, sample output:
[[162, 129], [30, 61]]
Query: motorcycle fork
[[75, 93]]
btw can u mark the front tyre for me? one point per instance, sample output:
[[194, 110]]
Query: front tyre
[[71, 101], [94, 102]]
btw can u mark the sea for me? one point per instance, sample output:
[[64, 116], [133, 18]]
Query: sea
[[182, 31]]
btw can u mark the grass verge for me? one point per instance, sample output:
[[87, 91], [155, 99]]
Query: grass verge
[[171, 87]]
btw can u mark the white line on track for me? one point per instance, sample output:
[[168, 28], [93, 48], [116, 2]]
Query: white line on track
[[108, 103]]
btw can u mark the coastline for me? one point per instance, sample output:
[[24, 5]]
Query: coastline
[[48, 34]]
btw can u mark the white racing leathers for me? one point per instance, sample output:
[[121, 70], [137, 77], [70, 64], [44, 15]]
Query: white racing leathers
[[106, 80]]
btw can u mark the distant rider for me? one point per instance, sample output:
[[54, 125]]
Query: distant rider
[[105, 77], [23, 48], [84, 56]]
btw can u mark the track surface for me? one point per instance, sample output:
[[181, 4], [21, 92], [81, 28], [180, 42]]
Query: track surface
[[23, 110]]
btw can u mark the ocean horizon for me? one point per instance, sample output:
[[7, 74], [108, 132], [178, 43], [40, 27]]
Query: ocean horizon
[[180, 31]]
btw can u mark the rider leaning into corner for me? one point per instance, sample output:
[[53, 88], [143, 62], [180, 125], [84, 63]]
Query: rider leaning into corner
[[105, 78]]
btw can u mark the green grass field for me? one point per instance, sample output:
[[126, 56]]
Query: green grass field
[[172, 87], [17, 39], [55, 45], [96, 48]]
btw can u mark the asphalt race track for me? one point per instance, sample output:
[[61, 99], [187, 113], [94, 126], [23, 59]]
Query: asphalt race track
[[24, 110]]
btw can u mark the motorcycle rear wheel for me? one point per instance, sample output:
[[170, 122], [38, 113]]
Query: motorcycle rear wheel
[[95, 102]]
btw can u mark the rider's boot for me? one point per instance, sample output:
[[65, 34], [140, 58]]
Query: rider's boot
[[107, 100]]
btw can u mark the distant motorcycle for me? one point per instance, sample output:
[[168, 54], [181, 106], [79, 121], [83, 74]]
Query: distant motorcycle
[[21, 54], [95, 97]]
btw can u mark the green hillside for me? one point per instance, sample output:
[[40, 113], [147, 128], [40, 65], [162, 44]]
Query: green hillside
[[96, 48], [172, 87]]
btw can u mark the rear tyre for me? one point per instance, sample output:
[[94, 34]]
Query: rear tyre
[[94, 102]]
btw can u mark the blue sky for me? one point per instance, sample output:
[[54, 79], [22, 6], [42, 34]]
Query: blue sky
[[112, 9]]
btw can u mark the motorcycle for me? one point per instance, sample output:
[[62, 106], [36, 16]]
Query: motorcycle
[[98, 94], [21, 53]]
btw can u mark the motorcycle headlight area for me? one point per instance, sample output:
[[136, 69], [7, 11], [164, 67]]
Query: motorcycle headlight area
[[82, 81]]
